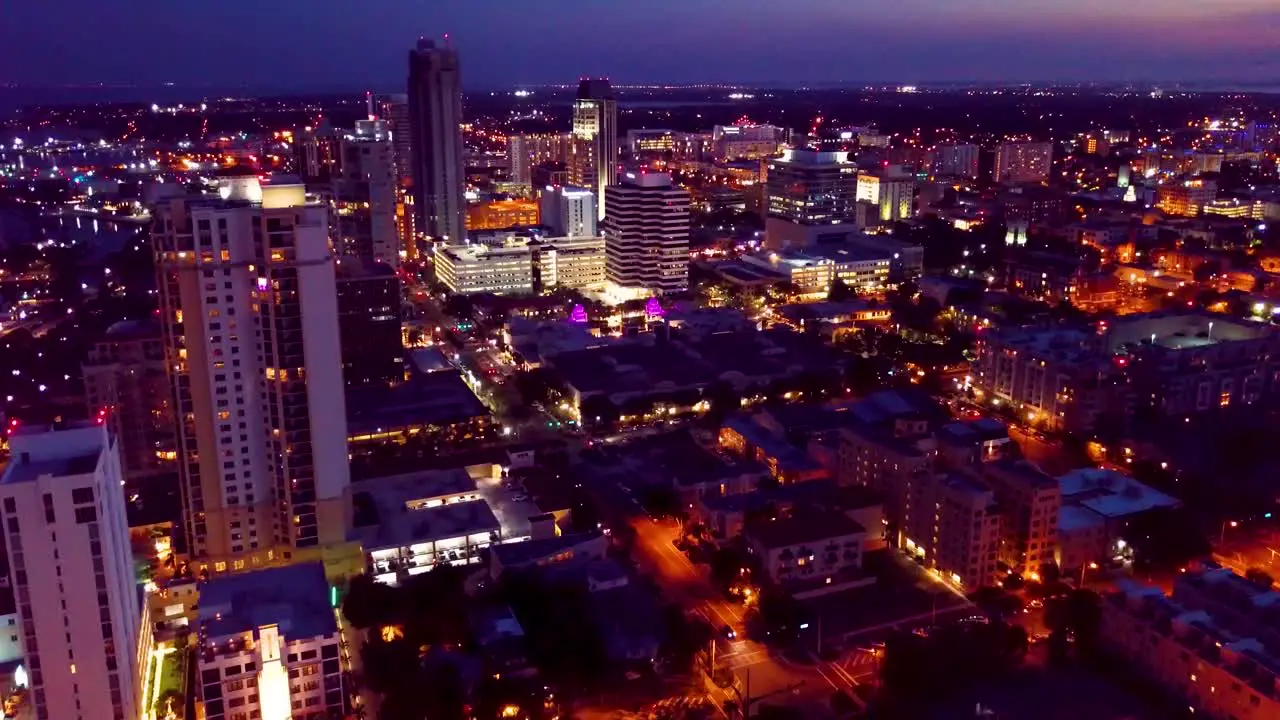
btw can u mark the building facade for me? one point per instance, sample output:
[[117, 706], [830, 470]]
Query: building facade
[[65, 527], [646, 235], [955, 160], [365, 196], [248, 306], [435, 141], [525, 152], [268, 646], [568, 211], [369, 324], [1023, 162], [124, 375], [594, 158]]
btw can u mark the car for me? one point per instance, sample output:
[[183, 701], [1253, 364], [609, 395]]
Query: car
[[728, 633]]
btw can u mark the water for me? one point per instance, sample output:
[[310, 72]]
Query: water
[[21, 225]]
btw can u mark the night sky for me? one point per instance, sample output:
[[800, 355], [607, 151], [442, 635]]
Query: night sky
[[347, 44]]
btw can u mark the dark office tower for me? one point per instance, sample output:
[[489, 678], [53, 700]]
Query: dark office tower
[[126, 385], [435, 140], [369, 324], [593, 162]]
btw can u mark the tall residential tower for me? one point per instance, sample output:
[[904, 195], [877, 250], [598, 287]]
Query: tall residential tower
[[435, 140], [594, 161], [249, 309]]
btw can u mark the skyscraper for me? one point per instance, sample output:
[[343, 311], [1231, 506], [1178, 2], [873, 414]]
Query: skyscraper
[[568, 211], [646, 236], [812, 197], [364, 195], [435, 140], [594, 161], [394, 111], [959, 160], [249, 309], [64, 518]]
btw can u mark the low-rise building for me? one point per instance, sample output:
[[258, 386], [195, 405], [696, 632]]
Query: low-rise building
[[268, 646], [809, 547], [1218, 672], [522, 265]]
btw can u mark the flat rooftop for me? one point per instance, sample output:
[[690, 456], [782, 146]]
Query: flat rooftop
[[811, 526], [1180, 331], [434, 398], [1111, 494], [401, 527], [295, 597]]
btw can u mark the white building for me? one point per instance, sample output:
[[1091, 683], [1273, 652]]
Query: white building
[[248, 302], [522, 266], [568, 211], [469, 269], [268, 646], [646, 235], [67, 541]]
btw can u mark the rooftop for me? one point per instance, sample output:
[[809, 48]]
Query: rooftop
[[401, 527], [435, 398], [295, 597], [1111, 494], [40, 451], [1180, 331], [809, 526]]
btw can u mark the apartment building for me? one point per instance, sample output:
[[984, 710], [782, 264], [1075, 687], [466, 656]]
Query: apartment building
[[67, 544], [1221, 673], [268, 646]]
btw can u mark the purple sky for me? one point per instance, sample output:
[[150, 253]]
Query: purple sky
[[278, 44]]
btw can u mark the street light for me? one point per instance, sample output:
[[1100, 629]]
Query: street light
[[1222, 536], [1083, 567]]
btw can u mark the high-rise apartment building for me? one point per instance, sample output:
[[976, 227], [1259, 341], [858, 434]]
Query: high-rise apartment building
[[369, 324], [125, 382], [525, 152], [67, 541], [435, 125], [365, 197], [594, 161], [317, 153], [893, 196], [1023, 162], [955, 160], [249, 310], [812, 197], [393, 110], [646, 232], [568, 211]]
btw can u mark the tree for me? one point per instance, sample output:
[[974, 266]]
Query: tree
[[368, 603], [841, 292]]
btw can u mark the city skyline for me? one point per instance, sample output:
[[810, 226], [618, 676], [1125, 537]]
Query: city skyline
[[812, 41]]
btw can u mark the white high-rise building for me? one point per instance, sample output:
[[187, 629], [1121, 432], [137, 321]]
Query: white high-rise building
[[364, 195], [646, 235], [568, 211], [435, 140], [72, 572], [249, 308], [594, 161]]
